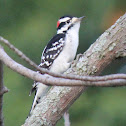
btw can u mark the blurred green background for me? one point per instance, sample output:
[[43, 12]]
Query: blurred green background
[[29, 25]]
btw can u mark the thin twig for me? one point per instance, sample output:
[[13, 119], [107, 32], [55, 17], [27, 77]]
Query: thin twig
[[49, 80], [66, 119], [77, 77], [5, 90], [1, 96]]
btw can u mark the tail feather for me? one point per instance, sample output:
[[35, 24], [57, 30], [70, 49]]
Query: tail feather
[[41, 90], [32, 90]]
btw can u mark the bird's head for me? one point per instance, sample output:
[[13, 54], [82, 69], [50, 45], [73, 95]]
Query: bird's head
[[66, 23]]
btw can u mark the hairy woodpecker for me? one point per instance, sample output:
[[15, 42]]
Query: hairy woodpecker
[[59, 52]]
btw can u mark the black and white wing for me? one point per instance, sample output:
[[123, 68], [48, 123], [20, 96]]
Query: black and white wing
[[52, 50]]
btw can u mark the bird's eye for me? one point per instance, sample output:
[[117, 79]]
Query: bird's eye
[[68, 21]]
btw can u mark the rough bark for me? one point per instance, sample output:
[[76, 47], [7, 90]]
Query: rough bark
[[107, 47]]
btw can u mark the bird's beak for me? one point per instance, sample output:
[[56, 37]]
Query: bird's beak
[[81, 18], [75, 19]]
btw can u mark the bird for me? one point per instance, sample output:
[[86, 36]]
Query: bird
[[59, 52]]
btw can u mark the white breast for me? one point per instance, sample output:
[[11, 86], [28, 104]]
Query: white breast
[[62, 62]]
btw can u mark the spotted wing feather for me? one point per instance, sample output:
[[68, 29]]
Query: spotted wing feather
[[52, 50]]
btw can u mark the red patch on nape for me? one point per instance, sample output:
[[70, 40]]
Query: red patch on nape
[[58, 23]]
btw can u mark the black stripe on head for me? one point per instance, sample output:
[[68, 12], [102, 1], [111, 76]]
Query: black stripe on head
[[66, 16], [61, 25]]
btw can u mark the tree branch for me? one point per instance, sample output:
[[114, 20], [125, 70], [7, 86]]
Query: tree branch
[[93, 61], [110, 80], [1, 96], [120, 53]]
